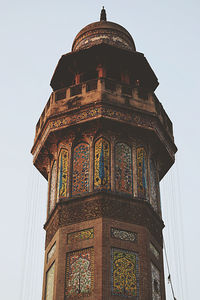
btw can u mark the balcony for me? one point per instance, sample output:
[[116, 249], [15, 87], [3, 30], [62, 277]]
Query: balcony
[[92, 90]]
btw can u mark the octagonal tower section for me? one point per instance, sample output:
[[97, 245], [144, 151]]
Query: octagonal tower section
[[103, 142]]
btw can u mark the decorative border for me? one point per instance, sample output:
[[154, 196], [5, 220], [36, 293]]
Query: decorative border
[[123, 235], [86, 114], [81, 235], [51, 252]]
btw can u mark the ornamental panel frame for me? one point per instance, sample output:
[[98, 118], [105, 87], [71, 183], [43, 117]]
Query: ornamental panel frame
[[156, 282], [102, 164], [124, 273], [52, 187], [123, 178], [80, 184], [154, 186], [142, 172], [81, 235], [79, 275], [63, 173], [123, 234], [49, 284]]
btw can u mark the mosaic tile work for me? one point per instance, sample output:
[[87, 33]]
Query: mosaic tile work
[[51, 252], [123, 168], [141, 172], [52, 193], [98, 36], [154, 251], [78, 236], [155, 276], [62, 174], [97, 112], [79, 273], [102, 164], [124, 235], [80, 179], [125, 273], [153, 186], [50, 283]]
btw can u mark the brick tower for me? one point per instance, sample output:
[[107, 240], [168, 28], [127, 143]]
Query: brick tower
[[103, 142]]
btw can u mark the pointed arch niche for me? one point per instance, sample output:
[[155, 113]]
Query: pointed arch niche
[[102, 164], [123, 168], [154, 195], [80, 168], [62, 173], [142, 184], [52, 191]]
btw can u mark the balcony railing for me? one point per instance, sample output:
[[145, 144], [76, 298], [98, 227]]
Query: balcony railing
[[67, 95]]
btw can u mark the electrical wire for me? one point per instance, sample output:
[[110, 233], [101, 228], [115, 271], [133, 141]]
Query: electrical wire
[[32, 260], [169, 274], [173, 232]]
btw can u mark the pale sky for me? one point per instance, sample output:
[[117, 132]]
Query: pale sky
[[34, 35]]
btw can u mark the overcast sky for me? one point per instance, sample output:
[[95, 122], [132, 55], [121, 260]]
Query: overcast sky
[[33, 36]]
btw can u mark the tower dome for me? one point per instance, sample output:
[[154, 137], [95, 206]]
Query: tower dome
[[103, 32]]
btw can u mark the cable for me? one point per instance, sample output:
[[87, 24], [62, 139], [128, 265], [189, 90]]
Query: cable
[[169, 276]]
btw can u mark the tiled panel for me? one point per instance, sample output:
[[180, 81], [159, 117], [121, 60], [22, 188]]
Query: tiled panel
[[80, 235], [153, 186], [155, 276], [124, 235], [62, 173], [154, 251], [125, 273], [79, 273], [51, 252], [123, 168], [102, 164], [142, 172], [50, 283], [80, 175], [52, 193]]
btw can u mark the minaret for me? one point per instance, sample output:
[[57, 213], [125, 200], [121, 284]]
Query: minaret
[[103, 142]]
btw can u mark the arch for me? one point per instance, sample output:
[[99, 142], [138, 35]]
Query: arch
[[153, 185], [62, 173], [123, 168], [52, 192], [80, 168], [142, 172], [102, 164]]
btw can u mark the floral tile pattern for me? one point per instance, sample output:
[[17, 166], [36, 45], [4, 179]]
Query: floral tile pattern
[[141, 172], [52, 192], [153, 186], [123, 235], [80, 176], [125, 273], [79, 273], [62, 173], [123, 168], [102, 164], [78, 236]]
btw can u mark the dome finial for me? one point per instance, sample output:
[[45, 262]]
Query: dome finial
[[103, 15]]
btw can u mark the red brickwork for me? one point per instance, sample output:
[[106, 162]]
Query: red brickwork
[[79, 113]]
